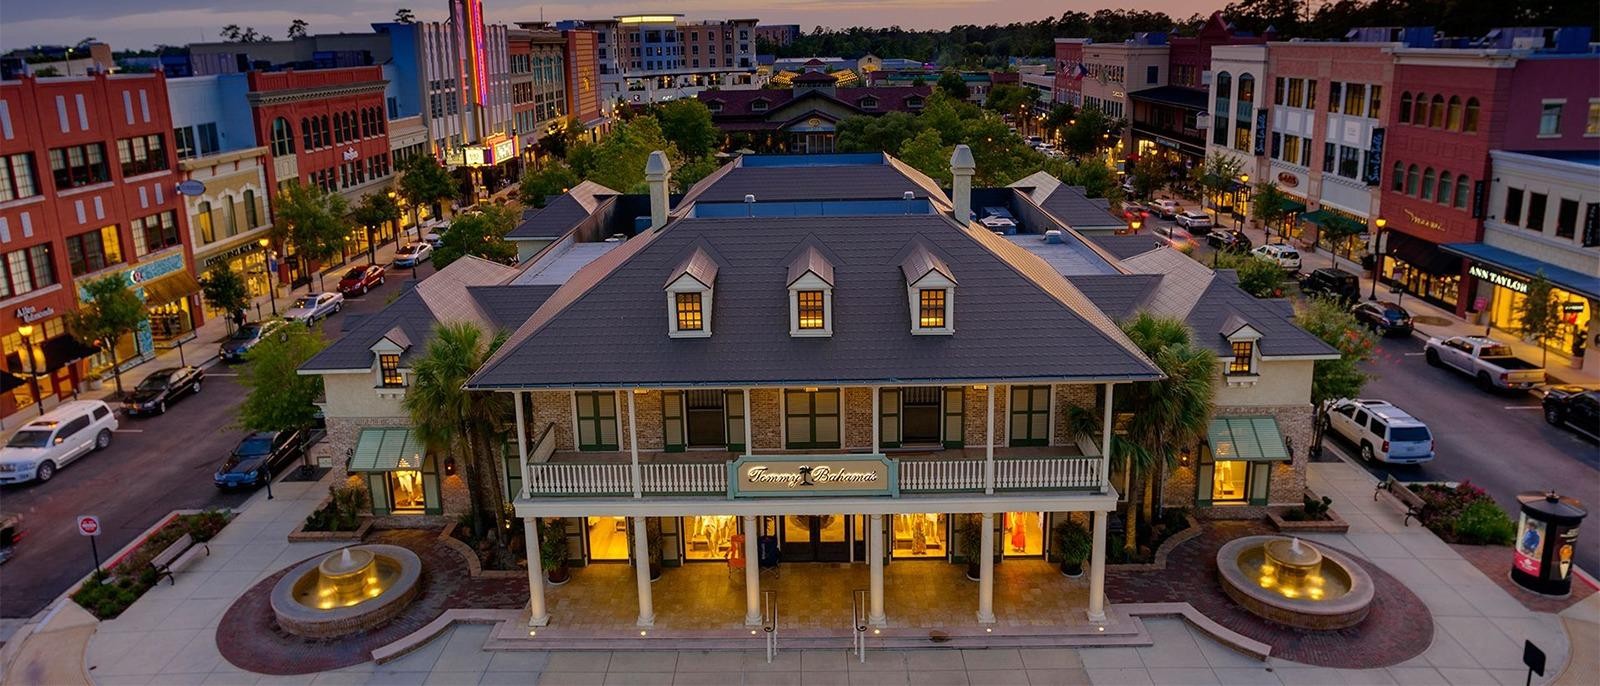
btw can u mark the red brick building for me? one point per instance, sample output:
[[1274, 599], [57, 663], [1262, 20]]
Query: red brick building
[[88, 190], [1069, 70]]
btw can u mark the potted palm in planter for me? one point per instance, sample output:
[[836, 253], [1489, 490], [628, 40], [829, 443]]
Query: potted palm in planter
[[1070, 545], [553, 551], [969, 541]]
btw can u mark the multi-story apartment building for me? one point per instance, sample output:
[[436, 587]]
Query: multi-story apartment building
[[778, 34], [583, 87], [215, 140], [538, 84], [88, 190], [1239, 118], [651, 57], [820, 368]]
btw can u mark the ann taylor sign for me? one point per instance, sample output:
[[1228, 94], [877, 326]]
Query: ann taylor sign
[[764, 476]]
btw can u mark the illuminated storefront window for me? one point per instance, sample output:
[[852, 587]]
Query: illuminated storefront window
[[1024, 533], [918, 535], [405, 490], [709, 537], [608, 538]]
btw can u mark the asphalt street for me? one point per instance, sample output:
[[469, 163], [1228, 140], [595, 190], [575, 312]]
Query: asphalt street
[[154, 466], [1497, 441]]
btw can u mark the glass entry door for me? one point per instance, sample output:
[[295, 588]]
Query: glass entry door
[[815, 538]]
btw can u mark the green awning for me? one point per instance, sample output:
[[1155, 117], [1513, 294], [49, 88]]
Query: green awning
[[387, 450], [1334, 224], [1253, 439], [1293, 206]]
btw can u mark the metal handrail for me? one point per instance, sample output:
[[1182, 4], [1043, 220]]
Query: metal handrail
[[769, 622], [858, 621]]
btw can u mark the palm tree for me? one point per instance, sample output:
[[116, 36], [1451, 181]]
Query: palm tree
[[448, 418], [1162, 416]]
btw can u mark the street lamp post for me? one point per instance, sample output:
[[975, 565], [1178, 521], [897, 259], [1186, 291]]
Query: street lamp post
[[1238, 221], [1377, 257], [266, 267], [26, 332]]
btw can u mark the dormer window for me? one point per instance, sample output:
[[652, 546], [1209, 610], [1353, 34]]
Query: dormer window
[[869, 103], [1243, 361], [930, 290], [389, 374], [810, 295], [758, 105], [1243, 340], [689, 290], [714, 105], [914, 102], [391, 378]]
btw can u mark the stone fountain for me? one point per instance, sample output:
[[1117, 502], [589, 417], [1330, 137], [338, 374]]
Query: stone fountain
[[1293, 582], [350, 590]]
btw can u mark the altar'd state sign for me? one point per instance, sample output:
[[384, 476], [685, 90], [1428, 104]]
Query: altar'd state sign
[[764, 476]]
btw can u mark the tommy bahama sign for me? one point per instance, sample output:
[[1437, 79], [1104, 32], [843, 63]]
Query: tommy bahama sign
[[812, 475]]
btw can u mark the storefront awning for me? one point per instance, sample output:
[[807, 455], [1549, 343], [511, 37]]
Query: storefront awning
[[1254, 439], [1586, 285], [174, 286], [1421, 254], [64, 350], [387, 450], [1334, 225], [10, 382]]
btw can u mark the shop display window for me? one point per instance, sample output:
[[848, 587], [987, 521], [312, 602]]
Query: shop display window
[[922, 534], [709, 537], [608, 538], [1023, 533]]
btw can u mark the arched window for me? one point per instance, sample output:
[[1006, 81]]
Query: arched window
[[1405, 107], [1427, 184], [1224, 90], [1419, 111], [1453, 118], [1247, 89], [1411, 180], [1399, 177], [1470, 121], [1436, 112], [1461, 192], [306, 133], [382, 123], [282, 137], [327, 131], [202, 214], [1444, 188], [252, 214]]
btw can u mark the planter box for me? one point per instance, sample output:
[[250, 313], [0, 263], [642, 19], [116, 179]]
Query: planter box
[[1334, 524], [300, 535]]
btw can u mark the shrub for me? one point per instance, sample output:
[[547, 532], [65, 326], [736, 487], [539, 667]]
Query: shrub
[[1310, 510], [343, 510], [1072, 543], [1484, 523], [108, 593]]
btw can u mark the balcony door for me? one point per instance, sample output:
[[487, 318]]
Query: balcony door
[[706, 423], [920, 412]]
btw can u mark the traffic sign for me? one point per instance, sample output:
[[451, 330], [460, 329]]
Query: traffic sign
[[88, 525]]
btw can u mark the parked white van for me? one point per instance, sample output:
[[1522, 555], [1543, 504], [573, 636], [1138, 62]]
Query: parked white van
[[46, 444]]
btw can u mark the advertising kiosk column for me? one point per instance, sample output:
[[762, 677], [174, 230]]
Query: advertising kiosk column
[[1547, 533]]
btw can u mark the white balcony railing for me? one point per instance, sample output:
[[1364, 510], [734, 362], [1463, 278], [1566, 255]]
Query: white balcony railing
[[564, 478], [686, 478]]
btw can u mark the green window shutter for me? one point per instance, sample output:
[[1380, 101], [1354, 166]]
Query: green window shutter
[[672, 421], [889, 417], [670, 547], [513, 473], [1204, 471], [378, 488], [955, 424], [733, 402], [432, 503], [1260, 482], [597, 420]]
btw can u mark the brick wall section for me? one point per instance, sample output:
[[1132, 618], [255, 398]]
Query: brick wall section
[[766, 419], [1288, 481], [976, 399], [1066, 396], [552, 407], [651, 432], [857, 417]]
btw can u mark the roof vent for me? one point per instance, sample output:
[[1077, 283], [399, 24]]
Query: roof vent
[[908, 196], [1053, 236], [749, 205]]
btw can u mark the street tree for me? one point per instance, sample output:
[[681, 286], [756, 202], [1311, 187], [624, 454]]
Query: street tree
[[1258, 277], [928, 153], [1269, 206], [480, 234], [687, 123], [1539, 315], [277, 396], [951, 83], [424, 183], [404, 15], [618, 161], [1331, 322], [375, 209], [886, 133], [554, 179], [109, 311], [1151, 174], [451, 420], [1086, 132], [566, 134], [297, 28], [1007, 98], [1215, 176], [689, 173], [315, 221], [224, 289]]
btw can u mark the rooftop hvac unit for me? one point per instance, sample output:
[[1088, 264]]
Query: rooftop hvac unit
[[1054, 236]]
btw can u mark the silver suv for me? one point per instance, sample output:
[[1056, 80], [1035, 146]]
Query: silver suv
[[42, 446], [1383, 432]]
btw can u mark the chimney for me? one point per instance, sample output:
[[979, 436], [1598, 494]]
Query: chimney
[[657, 173], [961, 168]]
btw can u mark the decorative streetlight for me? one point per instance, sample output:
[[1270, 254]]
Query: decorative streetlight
[[1135, 223], [266, 268], [26, 332], [1377, 257], [1244, 179]]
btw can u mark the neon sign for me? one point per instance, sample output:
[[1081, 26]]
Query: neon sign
[[479, 52]]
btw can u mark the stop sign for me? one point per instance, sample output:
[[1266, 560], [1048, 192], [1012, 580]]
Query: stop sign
[[88, 525]]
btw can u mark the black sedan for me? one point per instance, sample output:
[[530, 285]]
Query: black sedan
[[1388, 319], [1229, 240], [1575, 408], [163, 386], [244, 338], [256, 457]]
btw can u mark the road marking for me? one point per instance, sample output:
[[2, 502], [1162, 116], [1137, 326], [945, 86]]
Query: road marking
[[1524, 407], [1414, 354], [128, 431], [221, 374]]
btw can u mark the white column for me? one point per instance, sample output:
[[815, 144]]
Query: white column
[[522, 446], [986, 571], [752, 573], [641, 571], [633, 448], [875, 615], [1105, 441], [876, 418], [538, 615], [1097, 570], [749, 441], [988, 444]]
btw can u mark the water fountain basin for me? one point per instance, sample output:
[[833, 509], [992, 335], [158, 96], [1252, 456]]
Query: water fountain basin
[[348, 590], [1295, 582]]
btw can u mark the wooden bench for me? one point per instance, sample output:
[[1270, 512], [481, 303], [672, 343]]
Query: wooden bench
[[162, 563], [1413, 503]]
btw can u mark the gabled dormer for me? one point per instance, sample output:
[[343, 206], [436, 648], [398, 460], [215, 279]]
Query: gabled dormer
[[1241, 365], [930, 292], [689, 291], [759, 105], [914, 103], [390, 377], [867, 102], [810, 295], [714, 105]]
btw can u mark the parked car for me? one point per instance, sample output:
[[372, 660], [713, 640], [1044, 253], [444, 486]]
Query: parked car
[[1332, 282], [1127, 186], [361, 279], [44, 445], [1285, 256], [433, 239], [257, 457], [313, 306], [1229, 240], [412, 255], [1576, 408], [163, 386], [1385, 318], [1488, 361], [1166, 208], [1194, 219], [244, 338], [1174, 237], [1381, 431]]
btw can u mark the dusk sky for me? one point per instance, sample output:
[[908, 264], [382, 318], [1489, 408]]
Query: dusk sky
[[143, 24]]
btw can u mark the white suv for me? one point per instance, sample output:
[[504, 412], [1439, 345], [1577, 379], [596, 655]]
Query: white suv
[[1383, 432], [1193, 219], [42, 446], [1285, 256]]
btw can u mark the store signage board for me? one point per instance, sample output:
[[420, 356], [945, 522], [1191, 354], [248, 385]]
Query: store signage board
[[768, 476], [191, 187], [1498, 279]]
